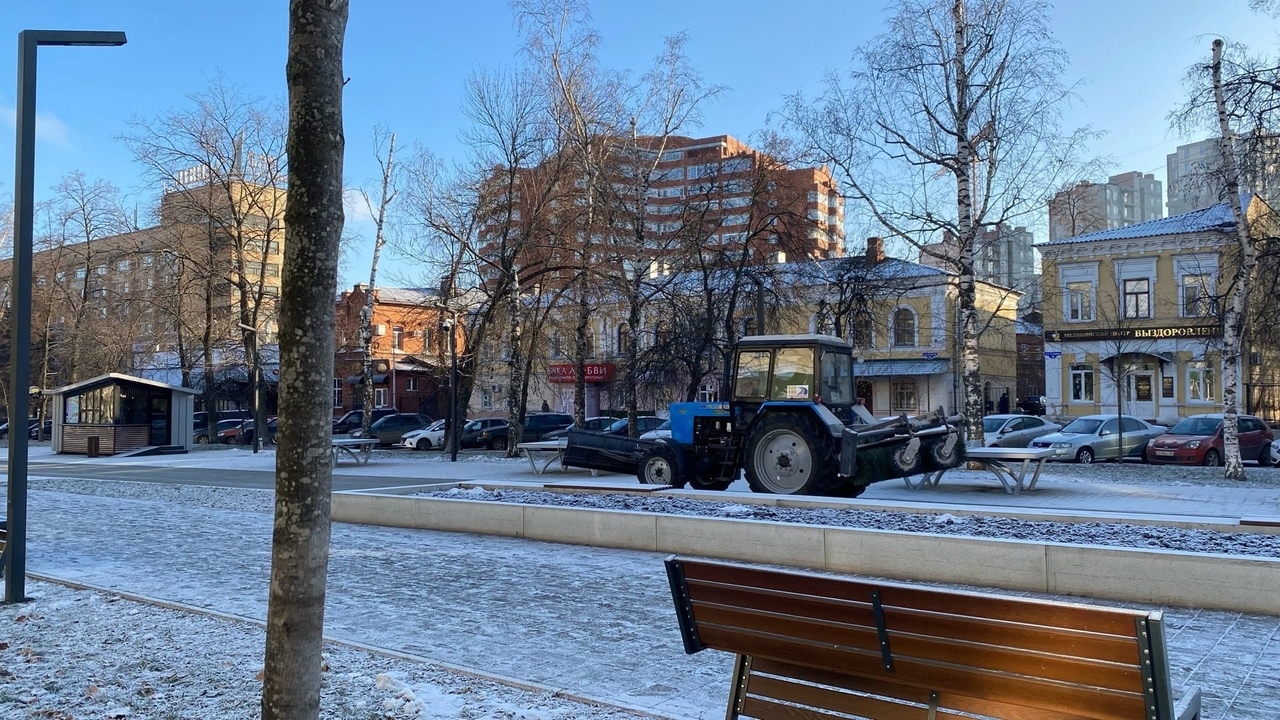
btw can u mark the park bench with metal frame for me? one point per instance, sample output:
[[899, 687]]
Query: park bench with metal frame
[[820, 647]]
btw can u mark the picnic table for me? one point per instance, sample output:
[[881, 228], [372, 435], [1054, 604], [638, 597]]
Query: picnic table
[[358, 449], [1009, 465], [543, 453]]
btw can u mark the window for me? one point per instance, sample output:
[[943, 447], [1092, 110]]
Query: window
[[1079, 302], [753, 372], [708, 392], [1131, 425], [1202, 382], [1082, 383], [1197, 296], [904, 395], [411, 384], [379, 397], [397, 337], [589, 345], [793, 375], [337, 392], [1137, 298], [557, 345], [427, 338], [837, 379], [486, 398], [122, 266], [624, 339], [904, 327]]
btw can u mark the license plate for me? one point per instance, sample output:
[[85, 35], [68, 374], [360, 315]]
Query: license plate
[[1164, 453]]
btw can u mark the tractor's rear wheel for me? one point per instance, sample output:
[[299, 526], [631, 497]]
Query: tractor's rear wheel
[[788, 455], [658, 467]]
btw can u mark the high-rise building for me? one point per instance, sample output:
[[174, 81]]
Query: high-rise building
[[1195, 171], [1125, 199], [1002, 256]]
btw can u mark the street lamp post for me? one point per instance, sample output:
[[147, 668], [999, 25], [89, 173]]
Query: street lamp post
[[256, 374], [15, 564], [450, 324]]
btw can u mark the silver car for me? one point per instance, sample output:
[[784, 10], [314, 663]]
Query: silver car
[[1100, 437], [1015, 430]]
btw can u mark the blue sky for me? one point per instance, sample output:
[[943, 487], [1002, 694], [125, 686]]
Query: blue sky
[[408, 60]]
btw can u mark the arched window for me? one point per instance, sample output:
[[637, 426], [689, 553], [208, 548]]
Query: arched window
[[904, 327], [624, 339]]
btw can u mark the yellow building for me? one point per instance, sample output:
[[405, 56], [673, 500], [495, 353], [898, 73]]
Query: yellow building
[[1133, 321]]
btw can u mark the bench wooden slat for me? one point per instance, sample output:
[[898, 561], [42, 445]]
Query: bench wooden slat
[[763, 667], [916, 644], [1103, 703], [771, 607], [813, 647], [1110, 621]]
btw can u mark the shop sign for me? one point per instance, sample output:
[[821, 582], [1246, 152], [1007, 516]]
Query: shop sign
[[593, 372], [1135, 333]]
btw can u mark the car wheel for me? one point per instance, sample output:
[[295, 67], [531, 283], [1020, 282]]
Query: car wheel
[[1212, 458], [1085, 456], [202, 439], [498, 444], [1264, 457], [423, 444]]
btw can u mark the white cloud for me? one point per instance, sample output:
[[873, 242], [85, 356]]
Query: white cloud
[[49, 128], [354, 206]]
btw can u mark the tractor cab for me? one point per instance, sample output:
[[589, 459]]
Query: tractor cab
[[792, 369]]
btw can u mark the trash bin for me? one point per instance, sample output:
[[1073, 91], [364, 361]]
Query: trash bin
[[93, 446]]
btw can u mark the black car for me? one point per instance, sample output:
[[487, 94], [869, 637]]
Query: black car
[[645, 423], [535, 426], [34, 432], [472, 432], [248, 432], [4, 428], [390, 429], [355, 419], [593, 424]]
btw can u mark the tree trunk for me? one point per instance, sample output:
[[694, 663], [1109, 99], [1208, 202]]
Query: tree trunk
[[313, 231], [1233, 321], [967, 306], [366, 313], [515, 367]]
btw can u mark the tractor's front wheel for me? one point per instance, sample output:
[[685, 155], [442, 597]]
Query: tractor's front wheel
[[658, 467], [788, 455]]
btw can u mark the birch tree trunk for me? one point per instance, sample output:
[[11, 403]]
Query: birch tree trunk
[[313, 230], [971, 370], [1233, 320], [387, 195]]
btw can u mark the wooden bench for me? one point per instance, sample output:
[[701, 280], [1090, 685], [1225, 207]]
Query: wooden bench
[[358, 449], [1009, 465], [810, 646]]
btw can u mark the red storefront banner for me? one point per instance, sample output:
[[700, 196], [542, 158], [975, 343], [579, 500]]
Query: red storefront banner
[[594, 372]]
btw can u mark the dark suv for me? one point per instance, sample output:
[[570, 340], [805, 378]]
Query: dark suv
[[535, 426], [353, 419]]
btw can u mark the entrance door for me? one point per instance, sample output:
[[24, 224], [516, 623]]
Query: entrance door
[[158, 416], [865, 393], [1140, 393]]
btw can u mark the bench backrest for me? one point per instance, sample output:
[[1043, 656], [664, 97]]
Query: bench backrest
[[896, 651]]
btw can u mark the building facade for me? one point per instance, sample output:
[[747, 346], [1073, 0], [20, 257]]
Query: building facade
[[1125, 199], [1003, 256], [411, 351], [1133, 318]]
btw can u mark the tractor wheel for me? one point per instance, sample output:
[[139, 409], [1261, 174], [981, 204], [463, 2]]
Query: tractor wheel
[[698, 483], [944, 455], [848, 490], [658, 467], [788, 455]]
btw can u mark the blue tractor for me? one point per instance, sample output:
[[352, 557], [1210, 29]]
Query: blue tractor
[[792, 425]]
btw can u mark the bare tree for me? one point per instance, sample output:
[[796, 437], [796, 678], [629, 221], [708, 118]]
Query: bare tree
[[313, 232], [960, 100], [384, 142]]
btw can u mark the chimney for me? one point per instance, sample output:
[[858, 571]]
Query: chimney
[[875, 250]]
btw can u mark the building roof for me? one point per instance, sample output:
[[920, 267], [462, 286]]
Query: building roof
[[894, 368], [1216, 218], [406, 296], [120, 377]]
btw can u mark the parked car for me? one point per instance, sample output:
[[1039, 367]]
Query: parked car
[[355, 418], [249, 432], [475, 433], [600, 423], [1275, 453], [644, 423], [1197, 440], [431, 436], [662, 431], [535, 426], [1015, 430], [4, 428], [390, 430], [34, 433], [227, 431], [1099, 437]]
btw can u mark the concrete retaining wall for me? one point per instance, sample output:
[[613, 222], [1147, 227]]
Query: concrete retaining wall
[[1225, 582]]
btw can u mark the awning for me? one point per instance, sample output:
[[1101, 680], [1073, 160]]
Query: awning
[[892, 368], [378, 379]]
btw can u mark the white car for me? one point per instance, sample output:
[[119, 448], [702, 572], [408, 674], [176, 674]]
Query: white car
[[431, 436], [1275, 453], [662, 431]]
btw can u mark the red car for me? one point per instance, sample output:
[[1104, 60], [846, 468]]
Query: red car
[[1197, 440]]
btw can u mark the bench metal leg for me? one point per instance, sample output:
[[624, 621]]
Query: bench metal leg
[[1036, 475], [927, 480]]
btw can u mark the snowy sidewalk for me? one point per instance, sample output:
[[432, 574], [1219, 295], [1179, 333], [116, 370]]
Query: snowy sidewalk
[[596, 622]]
